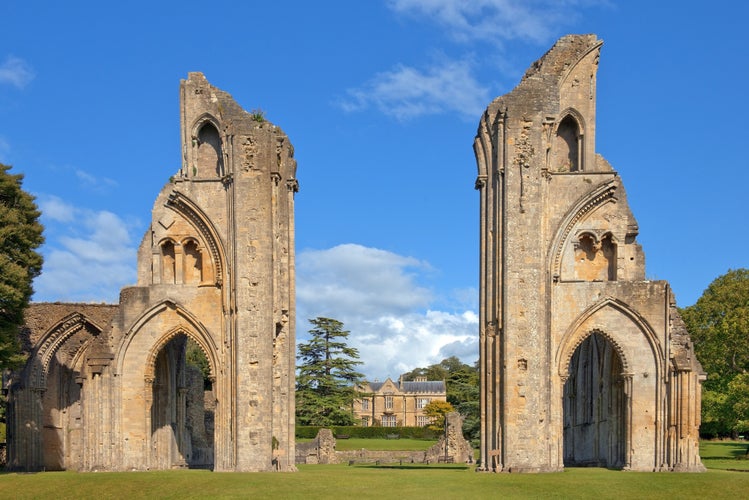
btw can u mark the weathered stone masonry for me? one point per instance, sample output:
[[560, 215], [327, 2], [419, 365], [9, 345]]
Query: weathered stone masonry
[[583, 360], [110, 390]]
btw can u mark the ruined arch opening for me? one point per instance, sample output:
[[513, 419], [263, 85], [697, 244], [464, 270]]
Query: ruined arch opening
[[182, 407], [568, 145], [62, 414], [210, 156], [594, 406]]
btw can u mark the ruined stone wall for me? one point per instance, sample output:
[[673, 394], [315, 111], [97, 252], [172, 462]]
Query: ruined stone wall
[[215, 266], [560, 263]]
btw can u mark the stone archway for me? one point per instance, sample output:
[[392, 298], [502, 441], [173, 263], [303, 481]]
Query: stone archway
[[595, 406], [177, 413]]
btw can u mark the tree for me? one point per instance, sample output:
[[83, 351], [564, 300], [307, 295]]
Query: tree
[[325, 388], [462, 383], [20, 236], [719, 326], [437, 412]]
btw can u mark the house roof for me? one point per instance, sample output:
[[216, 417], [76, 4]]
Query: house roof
[[420, 387]]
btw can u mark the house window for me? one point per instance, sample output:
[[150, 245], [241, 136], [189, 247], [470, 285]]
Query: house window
[[365, 404], [421, 402], [422, 421], [388, 402], [388, 421], [365, 421]]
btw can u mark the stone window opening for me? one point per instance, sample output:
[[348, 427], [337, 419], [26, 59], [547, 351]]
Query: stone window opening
[[388, 402], [168, 263], [568, 146], [210, 158]]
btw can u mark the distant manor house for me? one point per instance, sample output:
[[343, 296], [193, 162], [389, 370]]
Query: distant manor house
[[388, 404]]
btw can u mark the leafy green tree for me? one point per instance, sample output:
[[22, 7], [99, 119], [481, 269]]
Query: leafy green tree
[[437, 411], [462, 381], [20, 236], [327, 376], [719, 326], [194, 356]]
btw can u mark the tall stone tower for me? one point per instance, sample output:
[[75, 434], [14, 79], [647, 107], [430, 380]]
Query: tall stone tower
[[109, 389], [583, 360]]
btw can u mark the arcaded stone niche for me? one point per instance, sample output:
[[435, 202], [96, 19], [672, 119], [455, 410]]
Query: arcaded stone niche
[[595, 260]]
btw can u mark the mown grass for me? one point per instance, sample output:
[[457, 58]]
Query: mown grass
[[342, 481], [385, 482], [725, 455]]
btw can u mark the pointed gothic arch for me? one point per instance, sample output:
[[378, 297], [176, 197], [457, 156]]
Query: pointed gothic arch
[[198, 332], [582, 208], [208, 148], [203, 227], [569, 142], [51, 341]]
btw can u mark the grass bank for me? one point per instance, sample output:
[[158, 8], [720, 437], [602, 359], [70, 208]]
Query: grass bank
[[397, 482]]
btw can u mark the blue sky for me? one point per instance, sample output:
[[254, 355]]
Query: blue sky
[[381, 99]]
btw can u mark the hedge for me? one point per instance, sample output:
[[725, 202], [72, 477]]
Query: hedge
[[310, 431]]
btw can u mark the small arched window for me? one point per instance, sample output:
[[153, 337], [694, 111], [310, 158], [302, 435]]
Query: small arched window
[[193, 262], [210, 156], [168, 268], [568, 146]]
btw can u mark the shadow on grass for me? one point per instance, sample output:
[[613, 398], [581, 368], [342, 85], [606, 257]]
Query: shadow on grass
[[722, 450]]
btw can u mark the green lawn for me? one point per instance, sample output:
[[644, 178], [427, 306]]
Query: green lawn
[[725, 455], [399, 482], [342, 481]]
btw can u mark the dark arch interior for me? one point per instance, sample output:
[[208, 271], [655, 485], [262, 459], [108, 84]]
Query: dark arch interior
[[182, 408], [568, 146], [594, 406]]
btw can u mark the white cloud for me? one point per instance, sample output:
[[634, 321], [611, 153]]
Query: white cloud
[[88, 254], [15, 71], [496, 21], [405, 92], [376, 294], [97, 184], [54, 208]]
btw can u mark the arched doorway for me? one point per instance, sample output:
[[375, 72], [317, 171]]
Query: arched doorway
[[182, 407], [595, 406]]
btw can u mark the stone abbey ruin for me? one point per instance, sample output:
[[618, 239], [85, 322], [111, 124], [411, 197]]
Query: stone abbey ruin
[[107, 387], [582, 360]]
